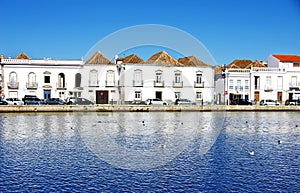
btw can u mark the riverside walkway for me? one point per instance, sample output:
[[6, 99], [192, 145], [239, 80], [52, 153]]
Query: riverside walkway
[[140, 108]]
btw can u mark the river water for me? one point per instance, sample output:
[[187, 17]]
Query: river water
[[150, 152]]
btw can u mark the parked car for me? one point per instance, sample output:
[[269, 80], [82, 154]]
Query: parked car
[[269, 102], [14, 101], [184, 102], [32, 100], [292, 102], [3, 102], [155, 101], [240, 102], [55, 101], [78, 101]]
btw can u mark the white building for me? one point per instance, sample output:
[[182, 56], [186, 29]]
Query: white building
[[163, 77], [45, 78]]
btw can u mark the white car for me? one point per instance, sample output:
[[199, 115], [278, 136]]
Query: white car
[[269, 102], [14, 101], [156, 102]]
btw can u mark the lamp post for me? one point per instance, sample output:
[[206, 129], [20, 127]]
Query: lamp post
[[224, 78], [120, 69]]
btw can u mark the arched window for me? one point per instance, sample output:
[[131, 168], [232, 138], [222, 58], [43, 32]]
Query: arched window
[[138, 78], [31, 80], [61, 80], [77, 80], [13, 80], [93, 78]]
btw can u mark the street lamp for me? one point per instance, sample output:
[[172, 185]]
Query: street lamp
[[224, 78]]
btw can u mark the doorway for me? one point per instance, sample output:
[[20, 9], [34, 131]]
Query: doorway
[[158, 95], [256, 96], [47, 94], [102, 97], [279, 97]]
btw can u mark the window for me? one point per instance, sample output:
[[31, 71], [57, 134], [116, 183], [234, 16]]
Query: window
[[238, 83], [268, 81], [31, 80], [177, 95], [293, 81], [177, 77], [47, 77], [93, 79], [77, 80], [247, 84], [137, 94], [158, 78], [110, 78], [199, 78], [230, 84], [138, 78], [199, 95], [13, 77], [61, 80]]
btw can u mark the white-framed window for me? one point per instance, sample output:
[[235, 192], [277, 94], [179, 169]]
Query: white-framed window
[[13, 78], [177, 95], [177, 77], [61, 80], [138, 95], [231, 84], [110, 78], [93, 78], [293, 81], [247, 84], [158, 76], [198, 95], [138, 77], [268, 80], [199, 78]]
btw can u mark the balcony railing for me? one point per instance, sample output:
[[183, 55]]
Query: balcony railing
[[199, 84], [110, 83], [13, 85], [268, 88], [61, 86], [159, 84], [178, 84], [138, 83], [31, 85], [94, 83]]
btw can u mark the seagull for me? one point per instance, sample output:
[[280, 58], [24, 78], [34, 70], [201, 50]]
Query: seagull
[[251, 152], [279, 142]]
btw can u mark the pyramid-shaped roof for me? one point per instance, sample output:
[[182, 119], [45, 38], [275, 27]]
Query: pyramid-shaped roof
[[132, 59], [98, 58], [239, 64], [22, 55], [256, 63], [162, 58], [191, 61]]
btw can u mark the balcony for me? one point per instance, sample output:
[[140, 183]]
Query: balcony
[[138, 83], [199, 84], [178, 84], [32, 85], [13, 85], [61, 86], [110, 83], [94, 83], [268, 88], [159, 84]]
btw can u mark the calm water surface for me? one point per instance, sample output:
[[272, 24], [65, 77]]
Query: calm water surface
[[150, 152]]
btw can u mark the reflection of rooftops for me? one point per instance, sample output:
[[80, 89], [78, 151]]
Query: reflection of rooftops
[[287, 58]]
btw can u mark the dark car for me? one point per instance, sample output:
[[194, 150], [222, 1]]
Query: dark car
[[55, 101], [292, 102], [80, 101], [2, 102], [32, 100], [240, 102]]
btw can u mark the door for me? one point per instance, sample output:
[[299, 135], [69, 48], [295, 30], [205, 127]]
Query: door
[[279, 97], [158, 95], [256, 96], [102, 97], [47, 94]]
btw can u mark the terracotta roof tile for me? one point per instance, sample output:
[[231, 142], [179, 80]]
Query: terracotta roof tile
[[287, 58], [22, 55], [132, 59], [98, 58], [191, 61], [162, 58]]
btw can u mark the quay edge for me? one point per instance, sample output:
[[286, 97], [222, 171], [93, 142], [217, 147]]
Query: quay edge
[[139, 108]]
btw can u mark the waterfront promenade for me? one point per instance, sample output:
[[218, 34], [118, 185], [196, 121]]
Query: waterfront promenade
[[140, 108]]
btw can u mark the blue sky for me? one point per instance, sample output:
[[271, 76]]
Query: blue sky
[[67, 29]]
